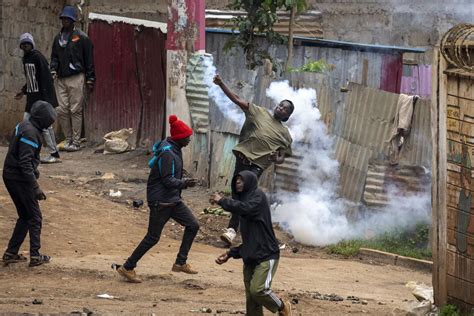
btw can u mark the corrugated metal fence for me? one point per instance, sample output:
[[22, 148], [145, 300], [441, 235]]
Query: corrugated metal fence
[[130, 64]]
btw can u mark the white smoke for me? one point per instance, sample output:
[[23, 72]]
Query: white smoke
[[225, 105], [316, 215]]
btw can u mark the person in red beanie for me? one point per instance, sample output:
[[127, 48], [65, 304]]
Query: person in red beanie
[[164, 186]]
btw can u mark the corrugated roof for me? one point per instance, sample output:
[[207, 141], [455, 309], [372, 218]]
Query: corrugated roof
[[310, 41], [306, 24], [114, 18]]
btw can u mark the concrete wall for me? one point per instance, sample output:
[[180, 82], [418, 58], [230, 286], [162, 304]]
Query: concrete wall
[[40, 17], [416, 23]]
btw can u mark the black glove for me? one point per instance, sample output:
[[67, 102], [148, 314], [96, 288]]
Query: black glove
[[39, 194], [37, 173], [189, 182]]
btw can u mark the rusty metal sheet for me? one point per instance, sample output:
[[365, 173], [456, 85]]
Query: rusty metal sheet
[[115, 103], [151, 69], [392, 67], [130, 65], [416, 79]]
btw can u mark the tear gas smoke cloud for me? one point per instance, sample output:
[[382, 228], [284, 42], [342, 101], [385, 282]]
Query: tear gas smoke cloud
[[225, 105], [317, 215]]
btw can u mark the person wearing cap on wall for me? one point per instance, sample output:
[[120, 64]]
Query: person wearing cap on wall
[[39, 86], [164, 187], [263, 140], [72, 65]]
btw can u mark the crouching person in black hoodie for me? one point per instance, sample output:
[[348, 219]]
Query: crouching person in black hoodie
[[259, 249], [20, 176]]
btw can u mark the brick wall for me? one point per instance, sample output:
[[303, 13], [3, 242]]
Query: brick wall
[[40, 18]]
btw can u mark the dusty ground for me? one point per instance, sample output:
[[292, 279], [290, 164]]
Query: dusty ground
[[85, 231]]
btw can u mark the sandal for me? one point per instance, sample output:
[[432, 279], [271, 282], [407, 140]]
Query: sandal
[[13, 258], [39, 260]]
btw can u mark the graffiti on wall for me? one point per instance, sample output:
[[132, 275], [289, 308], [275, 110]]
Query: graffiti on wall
[[460, 150]]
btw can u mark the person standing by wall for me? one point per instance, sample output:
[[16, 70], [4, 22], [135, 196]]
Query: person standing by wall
[[72, 65], [164, 187], [20, 174], [264, 140], [39, 86]]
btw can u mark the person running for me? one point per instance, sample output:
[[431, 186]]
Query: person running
[[164, 187], [72, 65], [20, 176], [264, 140], [259, 249], [39, 86]]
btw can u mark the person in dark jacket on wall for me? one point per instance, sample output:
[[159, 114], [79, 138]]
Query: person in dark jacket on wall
[[20, 176], [164, 187], [72, 63], [259, 249], [39, 86]]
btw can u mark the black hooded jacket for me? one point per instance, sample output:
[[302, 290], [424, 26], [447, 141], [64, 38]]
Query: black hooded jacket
[[77, 57], [39, 82], [258, 238], [23, 157], [165, 180]]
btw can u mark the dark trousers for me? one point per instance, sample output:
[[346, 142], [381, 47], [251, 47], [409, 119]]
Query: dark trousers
[[241, 165], [159, 216], [29, 217]]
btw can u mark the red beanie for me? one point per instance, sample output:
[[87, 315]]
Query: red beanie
[[178, 129]]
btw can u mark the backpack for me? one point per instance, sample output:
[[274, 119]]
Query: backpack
[[157, 151]]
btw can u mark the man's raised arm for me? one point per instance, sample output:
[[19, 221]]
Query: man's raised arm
[[244, 105]]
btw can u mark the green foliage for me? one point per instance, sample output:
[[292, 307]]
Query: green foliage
[[449, 310], [261, 16], [411, 243], [319, 66]]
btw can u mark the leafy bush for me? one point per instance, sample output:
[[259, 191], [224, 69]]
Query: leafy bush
[[319, 66]]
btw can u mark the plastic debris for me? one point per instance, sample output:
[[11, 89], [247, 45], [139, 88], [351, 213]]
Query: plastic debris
[[106, 296], [112, 193]]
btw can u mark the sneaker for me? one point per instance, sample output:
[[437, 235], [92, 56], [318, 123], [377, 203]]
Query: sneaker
[[49, 159], [13, 258], [286, 311], [186, 268], [55, 154], [72, 147], [228, 236], [39, 260], [130, 275]]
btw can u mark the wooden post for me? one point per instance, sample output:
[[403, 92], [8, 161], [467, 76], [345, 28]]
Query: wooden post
[[289, 62], [439, 117]]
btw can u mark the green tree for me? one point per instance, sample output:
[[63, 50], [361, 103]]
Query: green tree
[[261, 16]]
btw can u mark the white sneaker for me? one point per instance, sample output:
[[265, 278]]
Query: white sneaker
[[228, 236], [49, 159]]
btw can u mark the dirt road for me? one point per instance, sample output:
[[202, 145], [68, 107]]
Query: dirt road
[[85, 232]]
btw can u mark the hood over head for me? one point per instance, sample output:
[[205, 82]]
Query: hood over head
[[43, 114], [250, 182]]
